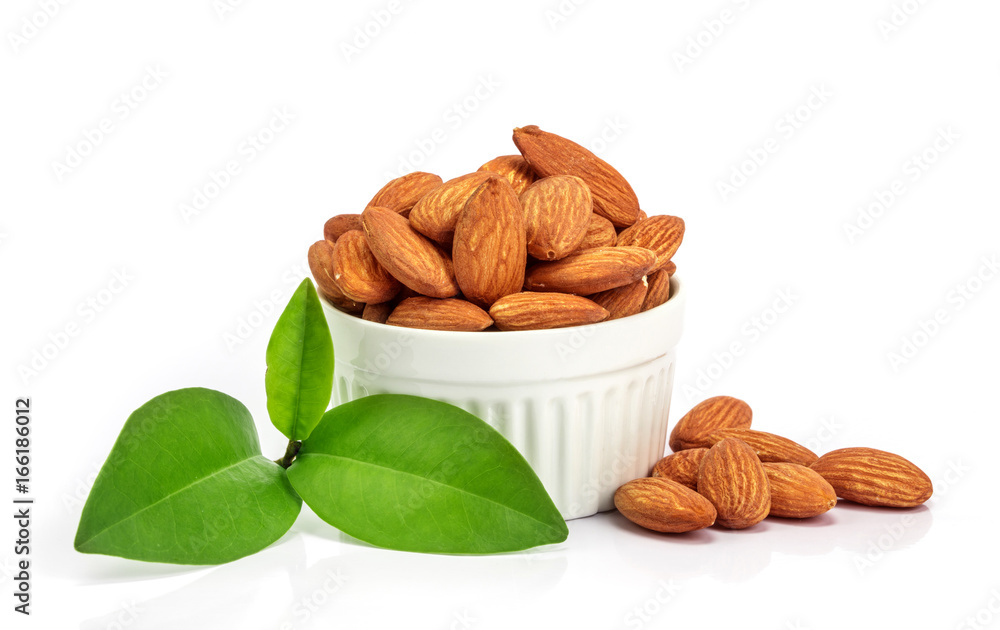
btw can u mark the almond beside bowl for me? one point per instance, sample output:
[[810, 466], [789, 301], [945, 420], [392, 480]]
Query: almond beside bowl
[[586, 405]]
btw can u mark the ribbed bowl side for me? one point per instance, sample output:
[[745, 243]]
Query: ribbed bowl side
[[583, 437]]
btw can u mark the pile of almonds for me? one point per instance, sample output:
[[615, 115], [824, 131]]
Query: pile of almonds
[[723, 472], [550, 238]]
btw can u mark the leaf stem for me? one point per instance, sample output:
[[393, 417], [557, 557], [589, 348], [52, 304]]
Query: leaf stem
[[290, 452]]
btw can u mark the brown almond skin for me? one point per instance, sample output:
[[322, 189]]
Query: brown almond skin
[[768, 446], [658, 290], [335, 227], [681, 467], [670, 268], [557, 213], [343, 303], [537, 311], [663, 505], [707, 417], [437, 212], [733, 479], [873, 477], [358, 273], [378, 313], [433, 314], [600, 233], [514, 168], [400, 194], [550, 154], [623, 301], [321, 264], [489, 250], [642, 215], [591, 270], [410, 257], [661, 233], [798, 491]]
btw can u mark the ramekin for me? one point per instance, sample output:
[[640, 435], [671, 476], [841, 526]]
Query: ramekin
[[587, 406]]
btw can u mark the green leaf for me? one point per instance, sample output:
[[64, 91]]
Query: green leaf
[[186, 483], [299, 378], [415, 474]]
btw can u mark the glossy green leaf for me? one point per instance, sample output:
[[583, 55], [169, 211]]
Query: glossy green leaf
[[299, 377], [415, 474], [186, 483]]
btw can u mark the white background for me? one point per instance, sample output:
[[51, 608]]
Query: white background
[[609, 75]]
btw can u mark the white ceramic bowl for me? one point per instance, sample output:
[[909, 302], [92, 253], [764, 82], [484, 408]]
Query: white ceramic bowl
[[586, 406]]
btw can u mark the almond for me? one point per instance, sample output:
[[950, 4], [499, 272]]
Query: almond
[[408, 256], [557, 213], [358, 273], [733, 479], [658, 291], [402, 193], [600, 233], [681, 467], [591, 270], [768, 446], [662, 234], [514, 168], [670, 268], [707, 417], [534, 311], [342, 302], [663, 505], [434, 314], [378, 312], [321, 264], [798, 491], [489, 250], [873, 477], [436, 213], [336, 226], [549, 154], [623, 301]]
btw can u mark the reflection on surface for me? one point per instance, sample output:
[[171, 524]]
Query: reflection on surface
[[326, 579], [281, 588], [869, 535], [242, 591], [448, 589]]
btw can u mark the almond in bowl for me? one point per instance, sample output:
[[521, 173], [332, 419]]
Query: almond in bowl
[[543, 222]]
